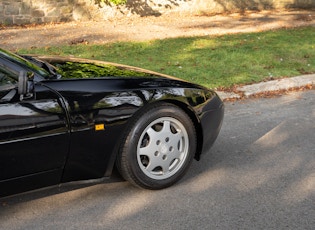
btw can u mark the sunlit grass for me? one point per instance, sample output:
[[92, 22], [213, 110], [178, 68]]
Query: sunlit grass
[[212, 61]]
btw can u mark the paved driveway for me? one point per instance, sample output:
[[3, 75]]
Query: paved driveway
[[260, 174]]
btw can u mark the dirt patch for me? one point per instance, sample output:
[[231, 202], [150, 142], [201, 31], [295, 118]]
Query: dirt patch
[[149, 28]]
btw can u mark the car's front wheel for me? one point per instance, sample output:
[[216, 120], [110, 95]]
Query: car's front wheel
[[158, 147]]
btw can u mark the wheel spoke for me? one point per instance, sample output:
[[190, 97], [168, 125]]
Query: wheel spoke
[[166, 127], [165, 166], [152, 133], [147, 151], [152, 146], [177, 142], [153, 164], [159, 163]]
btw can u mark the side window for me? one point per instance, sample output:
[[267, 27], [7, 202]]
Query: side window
[[6, 79], [7, 83]]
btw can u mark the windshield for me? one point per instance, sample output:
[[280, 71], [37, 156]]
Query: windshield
[[24, 63]]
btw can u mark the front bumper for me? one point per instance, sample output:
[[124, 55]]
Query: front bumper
[[211, 122]]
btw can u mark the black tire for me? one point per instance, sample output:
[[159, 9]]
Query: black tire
[[158, 147]]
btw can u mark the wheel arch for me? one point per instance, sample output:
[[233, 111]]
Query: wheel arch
[[182, 105], [130, 122]]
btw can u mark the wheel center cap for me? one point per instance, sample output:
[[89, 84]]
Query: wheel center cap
[[164, 148]]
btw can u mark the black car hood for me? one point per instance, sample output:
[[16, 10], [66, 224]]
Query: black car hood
[[88, 66], [78, 68]]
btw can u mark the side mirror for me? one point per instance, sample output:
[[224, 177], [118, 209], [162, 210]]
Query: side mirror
[[25, 85]]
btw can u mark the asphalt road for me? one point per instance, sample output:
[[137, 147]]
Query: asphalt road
[[260, 174]]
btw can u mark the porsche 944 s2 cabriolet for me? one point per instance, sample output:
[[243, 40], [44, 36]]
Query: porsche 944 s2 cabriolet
[[67, 119]]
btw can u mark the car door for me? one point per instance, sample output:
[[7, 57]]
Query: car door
[[34, 137]]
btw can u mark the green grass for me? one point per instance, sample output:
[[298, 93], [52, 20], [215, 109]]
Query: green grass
[[212, 61]]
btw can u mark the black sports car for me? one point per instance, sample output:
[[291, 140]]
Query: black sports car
[[67, 119]]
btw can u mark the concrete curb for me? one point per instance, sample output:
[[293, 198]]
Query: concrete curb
[[270, 86]]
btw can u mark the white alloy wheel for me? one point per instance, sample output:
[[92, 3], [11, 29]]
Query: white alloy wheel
[[158, 147], [162, 148]]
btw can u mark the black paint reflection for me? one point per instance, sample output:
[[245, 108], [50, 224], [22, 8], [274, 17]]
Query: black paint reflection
[[33, 137], [25, 119]]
